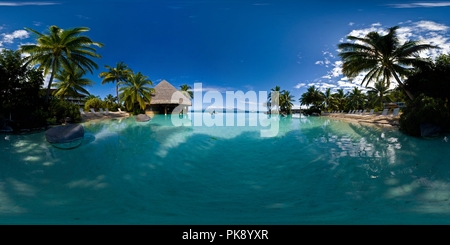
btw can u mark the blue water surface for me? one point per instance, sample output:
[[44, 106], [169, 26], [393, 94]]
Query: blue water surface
[[203, 169]]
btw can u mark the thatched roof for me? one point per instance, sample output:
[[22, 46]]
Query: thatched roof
[[165, 93]]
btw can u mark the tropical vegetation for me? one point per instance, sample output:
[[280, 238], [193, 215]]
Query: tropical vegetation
[[116, 75], [381, 57], [60, 48], [136, 92], [186, 90], [71, 82]]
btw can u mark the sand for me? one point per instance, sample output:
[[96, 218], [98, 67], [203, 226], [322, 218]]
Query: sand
[[375, 119], [89, 116]]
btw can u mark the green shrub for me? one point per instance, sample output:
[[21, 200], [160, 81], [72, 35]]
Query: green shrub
[[94, 103], [312, 110], [424, 109], [60, 109]]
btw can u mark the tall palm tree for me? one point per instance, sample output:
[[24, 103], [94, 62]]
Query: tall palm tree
[[61, 47], [116, 75], [340, 99], [356, 98], [71, 81], [382, 57], [286, 99], [381, 91], [136, 91], [185, 89], [328, 99], [109, 100], [269, 96], [312, 96]]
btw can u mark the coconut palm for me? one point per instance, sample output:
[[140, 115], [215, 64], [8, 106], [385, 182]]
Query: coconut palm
[[61, 47], [185, 89], [328, 100], [109, 100], [356, 99], [71, 81], [382, 57], [286, 99], [269, 96], [312, 96], [136, 91], [116, 75], [340, 99], [381, 91]]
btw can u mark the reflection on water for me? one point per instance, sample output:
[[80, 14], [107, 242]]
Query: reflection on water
[[314, 171]]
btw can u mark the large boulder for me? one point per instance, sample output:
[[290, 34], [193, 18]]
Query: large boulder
[[67, 136], [142, 118], [430, 130], [4, 126]]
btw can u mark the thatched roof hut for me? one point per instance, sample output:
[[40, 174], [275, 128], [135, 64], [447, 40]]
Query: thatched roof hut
[[167, 97]]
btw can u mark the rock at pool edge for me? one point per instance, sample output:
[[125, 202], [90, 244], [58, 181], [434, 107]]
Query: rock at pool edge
[[142, 118], [67, 136]]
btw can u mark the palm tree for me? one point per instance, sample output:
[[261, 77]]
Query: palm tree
[[286, 99], [116, 75], [382, 57], [109, 100], [185, 89], [340, 99], [381, 91], [269, 96], [61, 47], [328, 99], [71, 81], [356, 98], [312, 96], [136, 91]]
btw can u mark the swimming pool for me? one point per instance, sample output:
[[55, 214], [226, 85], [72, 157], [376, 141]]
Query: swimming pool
[[317, 170]]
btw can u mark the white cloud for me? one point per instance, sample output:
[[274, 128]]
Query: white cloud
[[19, 34], [426, 32], [430, 26], [300, 85], [351, 23], [18, 4], [420, 5]]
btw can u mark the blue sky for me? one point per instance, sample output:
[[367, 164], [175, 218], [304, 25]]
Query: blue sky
[[227, 45]]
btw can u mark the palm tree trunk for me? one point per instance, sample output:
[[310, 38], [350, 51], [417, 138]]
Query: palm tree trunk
[[402, 86], [117, 91], [47, 95]]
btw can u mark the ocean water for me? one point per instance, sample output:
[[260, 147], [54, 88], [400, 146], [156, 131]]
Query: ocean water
[[210, 169]]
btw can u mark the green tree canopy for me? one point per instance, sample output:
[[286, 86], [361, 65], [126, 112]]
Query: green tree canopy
[[381, 57], [312, 96], [71, 82], [136, 91], [60, 48], [186, 90], [19, 85], [116, 75]]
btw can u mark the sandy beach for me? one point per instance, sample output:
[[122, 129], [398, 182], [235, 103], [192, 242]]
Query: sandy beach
[[376, 119], [89, 116]]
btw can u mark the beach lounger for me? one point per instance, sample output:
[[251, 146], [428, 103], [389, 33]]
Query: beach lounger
[[106, 111], [395, 112], [82, 111], [93, 111], [102, 111]]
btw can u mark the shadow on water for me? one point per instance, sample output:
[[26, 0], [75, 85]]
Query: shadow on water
[[315, 171]]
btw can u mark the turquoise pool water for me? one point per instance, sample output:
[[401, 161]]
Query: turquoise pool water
[[317, 170]]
